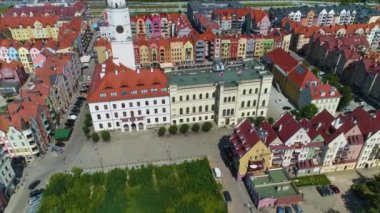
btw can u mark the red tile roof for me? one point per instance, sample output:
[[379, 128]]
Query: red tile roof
[[270, 133], [243, 137], [283, 59], [286, 126], [301, 76], [48, 9], [124, 82], [327, 90], [15, 22]]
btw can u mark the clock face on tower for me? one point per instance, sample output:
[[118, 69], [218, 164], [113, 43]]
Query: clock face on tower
[[120, 29]]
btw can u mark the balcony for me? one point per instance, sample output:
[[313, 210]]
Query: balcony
[[27, 132], [32, 144], [35, 151]]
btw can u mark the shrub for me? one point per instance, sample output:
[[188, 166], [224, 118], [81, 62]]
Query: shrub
[[88, 122], [206, 126], [195, 127], [252, 120], [270, 120], [106, 136], [87, 116], [161, 131], [95, 137], [184, 128], [173, 129], [259, 120], [85, 129]]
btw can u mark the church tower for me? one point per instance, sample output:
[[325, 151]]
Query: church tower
[[119, 24]]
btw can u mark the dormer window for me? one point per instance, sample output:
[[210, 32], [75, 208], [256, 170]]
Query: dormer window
[[102, 95], [144, 91], [133, 92], [154, 90], [113, 93], [323, 93]]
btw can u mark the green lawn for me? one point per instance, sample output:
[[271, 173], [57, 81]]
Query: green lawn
[[188, 187], [312, 180]]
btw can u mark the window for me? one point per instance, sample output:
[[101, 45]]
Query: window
[[164, 119], [146, 103], [130, 104], [225, 99], [233, 98], [156, 111], [173, 99], [138, 103], [114, 106], [98, 116], [263, 103], [200, 96], [144, 91], [163, 101], [265, 90], [242, 104], [147, 111], [100, 126], [180, 98], [200, 108], [224, 112], [206, 95], [117, 124], [113, 93], [155, 102], [96, 108], [123, 105], [232, 111], [242, 114], [187, 97], [248, 114], [133, 92], [213, 94], [200, 118], [254, 103], [187, 110], [156, 119], [102, 95], [148, 120], [194, 109], [180, 111], [116, 115], [105, 107], [107, 115], [256, 91], [244, 92], [206, 108], [250, 91], [248, 103], [194, 97], [139, 112], [124, 114], [229, 99]]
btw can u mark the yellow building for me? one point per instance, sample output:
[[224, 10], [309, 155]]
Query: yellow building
[[242, 47], [31, 28], [25, 59], [225, 48], [144, 55], [187, 52], [103, 50], [249, 153]]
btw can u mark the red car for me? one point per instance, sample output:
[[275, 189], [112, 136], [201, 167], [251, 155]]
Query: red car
[[335, 189]]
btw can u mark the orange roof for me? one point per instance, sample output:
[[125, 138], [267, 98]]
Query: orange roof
[[329, 91], [122, 83], [301, 75], [15, 22]]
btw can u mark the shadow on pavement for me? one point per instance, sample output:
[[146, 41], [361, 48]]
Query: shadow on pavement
[[352, 202], [224, 146]]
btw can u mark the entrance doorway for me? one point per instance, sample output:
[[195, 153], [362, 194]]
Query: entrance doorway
[[126, 127], [133, 126]]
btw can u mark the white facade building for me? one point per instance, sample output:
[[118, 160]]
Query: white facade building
[[123, 99], [7, 175], [118, 30]]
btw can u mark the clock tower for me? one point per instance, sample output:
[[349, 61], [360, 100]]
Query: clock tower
[[119, 24]]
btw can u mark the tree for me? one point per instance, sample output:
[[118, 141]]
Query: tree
[[95, 137], [270, 120], [252, 120], [308, 111], [346, 98], [86, 130], [88, 122], [173, 129], [106, 136], [206, 127], [369, 191], [161, 131], [315, 71], [331, 79], [295, 113], [184, 128], [259, 120], [87, 116], [195, 127]]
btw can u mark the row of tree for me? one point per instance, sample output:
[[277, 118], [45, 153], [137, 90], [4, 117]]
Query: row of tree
[[184, 128], [369, 191], [105, 135]]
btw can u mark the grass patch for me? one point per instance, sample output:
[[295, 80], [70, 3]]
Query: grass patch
[[188, 187], [311, 180]]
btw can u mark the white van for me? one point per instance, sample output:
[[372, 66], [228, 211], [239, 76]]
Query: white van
[[217, 172]]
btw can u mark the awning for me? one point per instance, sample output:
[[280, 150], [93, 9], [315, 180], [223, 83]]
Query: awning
[[62, 134]]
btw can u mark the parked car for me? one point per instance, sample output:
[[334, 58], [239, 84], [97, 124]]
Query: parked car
[[335, 189], [60, 144], [328, 190], [286, 108], [321, 191], [34, 199], [288, 209], [227, 197], [217, 172], [57, 150], [34, 184], [36, 192], [297, 208], [280, 209]]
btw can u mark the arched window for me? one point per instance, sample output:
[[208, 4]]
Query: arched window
[[206, 95], [254, 103], [263, 103], [194, 97], [225, 99], [224, 112], [200, 108], [250, 91], [242, 104], [248, 103], [194, 109], [243, 91], [229, 99], [187, 110], [187, 97], [233, 98], [200, 96], [206, 108], [232, 111], [180, 111], [228, 111]]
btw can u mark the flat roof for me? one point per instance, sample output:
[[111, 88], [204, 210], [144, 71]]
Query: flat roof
[[231, 75], [273, 176], [279, 190]]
